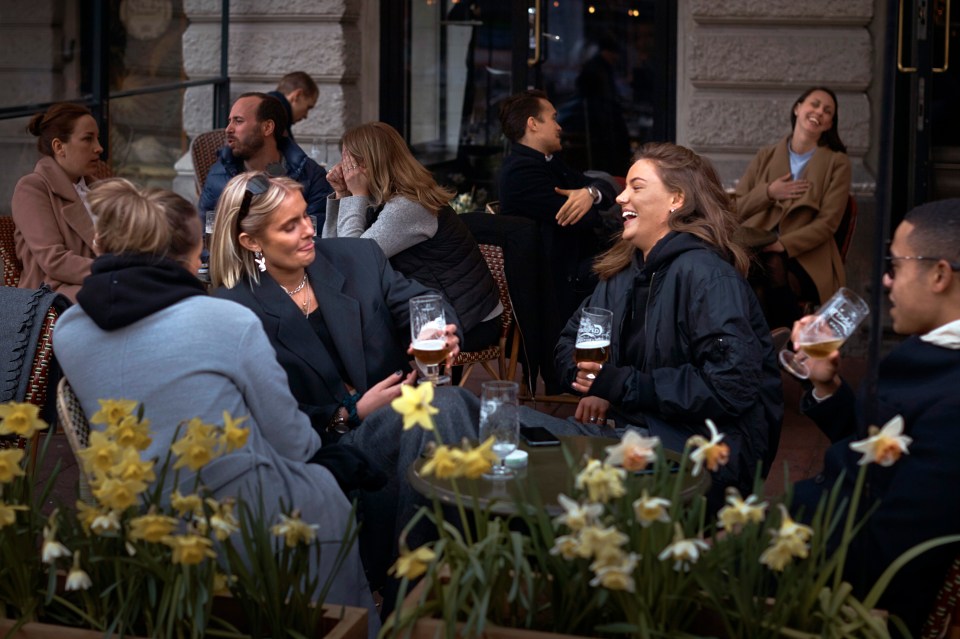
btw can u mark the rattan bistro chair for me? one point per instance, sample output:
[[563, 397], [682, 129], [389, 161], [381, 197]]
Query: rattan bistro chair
[[506, 368], [8, 252], [76, 428], [203, 151]]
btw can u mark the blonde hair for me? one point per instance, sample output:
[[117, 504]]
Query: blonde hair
[[148, 221], [229, 261], [391, 168], [707, 211]]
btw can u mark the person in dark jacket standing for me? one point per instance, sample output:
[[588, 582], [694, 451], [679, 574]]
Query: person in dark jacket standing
[[382, 193], [535, 183], [298, 94], [689, 340]]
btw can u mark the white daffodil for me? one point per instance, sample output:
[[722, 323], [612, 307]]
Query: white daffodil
[[649, 509], [617, 576], [710, 453], [577, 516], [106, 522], [686, 551], [884, 446], [634, 452], [738, 512], [78, 579]]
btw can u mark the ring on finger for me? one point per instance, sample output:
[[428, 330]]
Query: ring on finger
[[593, 420], [590, 376]]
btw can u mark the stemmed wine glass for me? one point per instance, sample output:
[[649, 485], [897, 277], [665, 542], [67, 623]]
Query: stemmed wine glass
[[832, 325], [428, 334]]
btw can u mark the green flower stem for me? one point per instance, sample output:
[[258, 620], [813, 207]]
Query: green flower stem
[[841, 555]]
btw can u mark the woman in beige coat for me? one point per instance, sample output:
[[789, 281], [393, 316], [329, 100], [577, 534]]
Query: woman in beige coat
[[54, 234], [798, 189]]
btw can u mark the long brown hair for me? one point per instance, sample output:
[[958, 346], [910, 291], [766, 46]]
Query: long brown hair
[[706, 213], [391, 168]]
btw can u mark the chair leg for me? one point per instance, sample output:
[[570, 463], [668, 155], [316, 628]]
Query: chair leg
[[489, 369], [467, 369]]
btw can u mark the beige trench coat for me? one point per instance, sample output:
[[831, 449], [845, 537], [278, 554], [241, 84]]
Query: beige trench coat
[[805, 224]]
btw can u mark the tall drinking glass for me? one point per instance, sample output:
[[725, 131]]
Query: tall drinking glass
[[832, 325], [593, 335], [427, 332], [500, 419]]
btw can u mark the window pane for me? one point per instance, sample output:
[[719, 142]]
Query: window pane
[[18, 154]]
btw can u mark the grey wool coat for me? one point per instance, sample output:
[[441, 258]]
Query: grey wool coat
[[198, 358]]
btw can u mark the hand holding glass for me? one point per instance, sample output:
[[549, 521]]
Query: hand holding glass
[[593, 335], [831, 326], [428, 334], [500, 419]]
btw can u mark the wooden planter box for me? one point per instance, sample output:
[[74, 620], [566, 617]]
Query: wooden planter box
[[340, 622]]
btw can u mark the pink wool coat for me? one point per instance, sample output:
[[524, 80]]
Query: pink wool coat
[[54, 235], [805, 224]]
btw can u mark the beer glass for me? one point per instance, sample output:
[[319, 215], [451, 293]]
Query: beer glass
[[427, 332], [500, 419], [832, 325], [593, 335]]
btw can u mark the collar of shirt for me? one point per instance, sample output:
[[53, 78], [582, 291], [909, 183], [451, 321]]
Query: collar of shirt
[[947, 336], [82, 190]]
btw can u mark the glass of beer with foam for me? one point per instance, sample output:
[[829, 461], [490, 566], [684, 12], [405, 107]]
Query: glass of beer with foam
[[593, 335], [427, 332], [831, 326]]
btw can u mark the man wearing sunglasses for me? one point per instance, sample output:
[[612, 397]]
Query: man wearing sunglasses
[[256, 142], [916, 496]]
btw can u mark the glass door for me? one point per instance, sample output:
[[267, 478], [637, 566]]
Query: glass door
[[446, 66]]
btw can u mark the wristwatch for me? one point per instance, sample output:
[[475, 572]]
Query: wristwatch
[[340, 422], [594, 193]]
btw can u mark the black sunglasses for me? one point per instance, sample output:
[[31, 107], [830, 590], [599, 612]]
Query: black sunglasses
[[257, 185], [890, 259]]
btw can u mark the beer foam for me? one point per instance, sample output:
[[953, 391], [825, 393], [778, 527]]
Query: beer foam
[[430, 344], [597, 343]]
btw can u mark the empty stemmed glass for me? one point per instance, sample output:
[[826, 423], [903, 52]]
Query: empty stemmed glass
[[831, 326], [428, 334], [500, 419]]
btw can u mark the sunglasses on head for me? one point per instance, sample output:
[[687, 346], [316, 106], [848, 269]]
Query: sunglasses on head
[[891, 272], [257, 185]]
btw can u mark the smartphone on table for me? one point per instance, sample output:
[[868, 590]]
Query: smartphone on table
[[538, 436]]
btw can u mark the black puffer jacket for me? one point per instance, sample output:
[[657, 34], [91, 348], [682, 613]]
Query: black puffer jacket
[[704, 351], [451, 262]]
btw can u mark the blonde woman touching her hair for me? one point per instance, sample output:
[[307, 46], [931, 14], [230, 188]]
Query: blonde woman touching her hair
[[382, 193]]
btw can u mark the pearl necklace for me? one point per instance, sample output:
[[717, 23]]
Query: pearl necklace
[[306, 297]]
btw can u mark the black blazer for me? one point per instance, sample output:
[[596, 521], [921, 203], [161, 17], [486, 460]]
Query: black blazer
[[365, 304]]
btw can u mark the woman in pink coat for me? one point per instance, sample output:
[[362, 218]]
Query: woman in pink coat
[[54, 234], [798, 188]]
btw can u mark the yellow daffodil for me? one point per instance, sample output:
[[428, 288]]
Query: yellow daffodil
[[739, 512], [77, 578], [884, 446], [105, 522], [606, 557], [576, 516], [789, 541], [222, 520], [10, 465], [617, 576], [601, 481], [100, 455], [20, 419], [86, 514], [294, 530], [112, 411], [446, 462], [710, 453], [186, 504], [634, 452], [596, 541], [189, 549], [414, 404], [478, 461], [222, 583], [685, 551], [8, 513], [412, 564], [649, 509], [151, 528], [567, 546], [234, 437], [198, 447], [131, 467], [118, 494], [131, 432]]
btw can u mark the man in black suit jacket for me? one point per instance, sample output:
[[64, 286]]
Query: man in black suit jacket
[[535, 183], [916, 497]]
